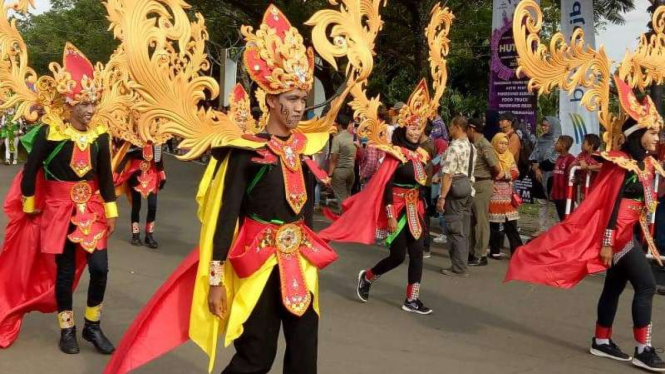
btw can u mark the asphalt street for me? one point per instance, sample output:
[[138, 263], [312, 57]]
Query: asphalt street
[[479, 324]]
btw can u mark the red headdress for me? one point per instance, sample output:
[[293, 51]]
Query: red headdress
[[76, 79], [276, 57], [418, 109], [645, 113]]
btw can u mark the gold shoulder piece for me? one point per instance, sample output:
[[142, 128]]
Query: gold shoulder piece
[[621, 161]]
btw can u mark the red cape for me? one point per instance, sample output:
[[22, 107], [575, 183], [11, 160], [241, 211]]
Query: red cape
[[566, 253], [363, 213], [27, 276]]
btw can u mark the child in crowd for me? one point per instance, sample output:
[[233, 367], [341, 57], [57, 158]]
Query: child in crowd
[[586, 161], [560, 174]]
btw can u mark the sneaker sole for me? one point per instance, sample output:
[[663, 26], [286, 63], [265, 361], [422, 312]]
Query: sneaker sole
[[598, 353], [642, 365], [358, 287], [404, 308]]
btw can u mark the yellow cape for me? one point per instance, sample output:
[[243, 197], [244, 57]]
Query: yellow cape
[[242, 293]]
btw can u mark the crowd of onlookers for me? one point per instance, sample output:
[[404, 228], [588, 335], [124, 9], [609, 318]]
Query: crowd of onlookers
[[474, 226]]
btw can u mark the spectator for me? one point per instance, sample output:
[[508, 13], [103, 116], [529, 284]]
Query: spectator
[[560, 174], [586, 160], [507, 126], [487, 165], [439, 131], [428, 145], [342, 161], [542, 160], [456, 195], [441, 146], [503, 210], [394, 114]]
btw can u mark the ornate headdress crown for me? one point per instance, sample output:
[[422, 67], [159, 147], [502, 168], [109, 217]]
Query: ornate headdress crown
[[76, 78], [645, 113], [276, 57], [418, 109], [240, 108]]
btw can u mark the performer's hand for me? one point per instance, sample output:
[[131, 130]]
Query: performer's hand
[[110, 223], [606, 256], [162, 184], [539, 175], [217, 300], [392, 225], [440, 203], [584, 165]]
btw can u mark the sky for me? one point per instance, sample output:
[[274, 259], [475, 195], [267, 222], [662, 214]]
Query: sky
[[616, 38]]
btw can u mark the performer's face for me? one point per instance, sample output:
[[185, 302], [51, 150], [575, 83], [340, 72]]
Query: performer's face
[[288, 108], [650, 140], [413, 134], [83, 112]]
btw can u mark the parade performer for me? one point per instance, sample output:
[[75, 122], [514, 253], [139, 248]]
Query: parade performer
[[256, 268], [61, 207], [11, 129], [391, 204], [142, 170], [62, 210], [599, 236]]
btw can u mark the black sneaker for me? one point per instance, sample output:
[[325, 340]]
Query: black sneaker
[[608, 350], [416, 306], [136, 240], [479, 262], [363, 287], [648, 360]]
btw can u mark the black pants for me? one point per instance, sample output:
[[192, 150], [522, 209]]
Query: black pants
[[496, 236], [98, 266], [257, 346], [136, 203], [404, 242], [560, 206], [633, 267]]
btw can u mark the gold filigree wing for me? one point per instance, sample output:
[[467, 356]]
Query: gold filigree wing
[[441, 19], [16, 76], [348, 32], [114, 109], [563, 65], [166, 58], [646, 65]]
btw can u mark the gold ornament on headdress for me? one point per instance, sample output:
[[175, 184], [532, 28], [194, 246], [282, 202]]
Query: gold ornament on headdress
[[420, 106], [53, 92], [167, 57], [579, 65]]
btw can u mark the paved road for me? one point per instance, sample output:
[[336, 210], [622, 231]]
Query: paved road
[[479, 325]]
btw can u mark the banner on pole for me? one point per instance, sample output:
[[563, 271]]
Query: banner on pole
[[576, 120], [507, 92]]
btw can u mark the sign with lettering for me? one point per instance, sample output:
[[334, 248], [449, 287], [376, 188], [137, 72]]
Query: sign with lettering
[[508, 93], [576, 120]]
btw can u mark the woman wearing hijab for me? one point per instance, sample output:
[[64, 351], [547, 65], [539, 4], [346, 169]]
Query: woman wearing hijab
[[502, 209], [606, 233], [542, 160]]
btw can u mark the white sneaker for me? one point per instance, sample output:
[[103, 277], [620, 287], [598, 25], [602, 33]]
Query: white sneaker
[[14, 162], [441, 239]]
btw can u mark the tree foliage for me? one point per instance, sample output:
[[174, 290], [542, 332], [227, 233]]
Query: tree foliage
[[401, 50]]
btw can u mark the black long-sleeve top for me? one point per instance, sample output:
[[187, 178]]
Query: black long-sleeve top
[[630, 189], [59, 167], [136, 153], [404, 175], [265, 202]]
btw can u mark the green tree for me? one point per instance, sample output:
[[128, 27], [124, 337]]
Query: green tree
[[82, 22]]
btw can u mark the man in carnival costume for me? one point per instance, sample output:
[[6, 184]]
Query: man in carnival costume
[[599, 236], [256, 268], [62, 210]]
